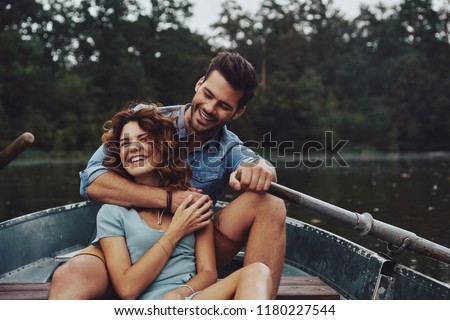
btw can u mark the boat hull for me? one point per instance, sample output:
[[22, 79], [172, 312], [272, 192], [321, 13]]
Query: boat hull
[[32, 246], [32, 241], [354, 271]]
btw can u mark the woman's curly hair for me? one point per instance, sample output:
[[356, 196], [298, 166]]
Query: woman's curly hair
[[173, 167]]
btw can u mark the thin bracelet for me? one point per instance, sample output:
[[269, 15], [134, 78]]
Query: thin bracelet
[[186, 286], [163, 248], [169, 201], [171, 243]]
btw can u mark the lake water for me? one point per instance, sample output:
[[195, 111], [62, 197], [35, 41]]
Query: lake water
[[411, 192]]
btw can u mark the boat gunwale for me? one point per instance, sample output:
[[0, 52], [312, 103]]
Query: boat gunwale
[[46, 212]]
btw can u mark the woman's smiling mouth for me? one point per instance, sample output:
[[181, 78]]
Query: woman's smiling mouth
[[135, 159]]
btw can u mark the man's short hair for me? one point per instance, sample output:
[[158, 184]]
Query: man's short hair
[[238, 72]]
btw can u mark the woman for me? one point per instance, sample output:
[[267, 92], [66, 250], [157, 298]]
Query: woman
[[150, 253]]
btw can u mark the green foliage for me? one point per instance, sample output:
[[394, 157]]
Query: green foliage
[[380, 80], [66, 68]]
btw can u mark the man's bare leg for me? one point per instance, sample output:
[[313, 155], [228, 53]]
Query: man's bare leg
[[83, 277], [259, 219]]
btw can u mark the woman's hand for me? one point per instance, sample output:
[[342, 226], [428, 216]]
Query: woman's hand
[[172, 295], [190, 218], [179, 293]]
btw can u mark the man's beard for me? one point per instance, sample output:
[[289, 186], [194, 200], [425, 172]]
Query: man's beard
[[199, 128]]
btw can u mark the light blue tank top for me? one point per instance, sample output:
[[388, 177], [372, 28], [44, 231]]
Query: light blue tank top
[[113, 221]]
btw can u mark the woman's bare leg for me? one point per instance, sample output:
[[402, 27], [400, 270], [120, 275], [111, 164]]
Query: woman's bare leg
[[252, 282], [81, 278]]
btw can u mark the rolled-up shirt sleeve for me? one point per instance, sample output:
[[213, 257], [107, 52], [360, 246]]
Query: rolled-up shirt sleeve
[[93, 170], [240, 154]]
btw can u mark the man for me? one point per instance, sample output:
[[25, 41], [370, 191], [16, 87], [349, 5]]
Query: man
[[255, 218]]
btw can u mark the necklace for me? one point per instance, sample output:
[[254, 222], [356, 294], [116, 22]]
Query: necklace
[[160, 214]]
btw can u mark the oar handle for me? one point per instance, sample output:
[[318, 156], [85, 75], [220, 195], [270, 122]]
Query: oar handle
[[15, 148], [277, 190]]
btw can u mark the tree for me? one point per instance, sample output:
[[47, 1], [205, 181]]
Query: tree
[[26, 81]]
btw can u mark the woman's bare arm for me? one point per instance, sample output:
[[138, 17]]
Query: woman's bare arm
[[205, 263]]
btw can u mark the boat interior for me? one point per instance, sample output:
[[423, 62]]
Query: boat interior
[[318, 264], [32, 279]]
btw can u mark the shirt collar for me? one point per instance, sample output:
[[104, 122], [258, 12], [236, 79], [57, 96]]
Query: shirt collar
[[182, 134]]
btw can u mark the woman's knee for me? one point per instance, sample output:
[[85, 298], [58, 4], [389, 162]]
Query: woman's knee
[[257, 270]]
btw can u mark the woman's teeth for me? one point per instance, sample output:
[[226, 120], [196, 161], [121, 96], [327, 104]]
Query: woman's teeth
[[136, 159]]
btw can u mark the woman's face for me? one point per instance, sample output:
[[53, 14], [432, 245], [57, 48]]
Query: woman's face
[[137, 153]]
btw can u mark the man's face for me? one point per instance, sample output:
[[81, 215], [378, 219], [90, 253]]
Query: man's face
[[214, 104]]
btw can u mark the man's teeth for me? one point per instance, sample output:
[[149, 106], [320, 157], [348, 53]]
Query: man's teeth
[[205, 116]]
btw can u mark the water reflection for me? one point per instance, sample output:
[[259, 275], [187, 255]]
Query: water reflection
[[35, 185], [409, 192]]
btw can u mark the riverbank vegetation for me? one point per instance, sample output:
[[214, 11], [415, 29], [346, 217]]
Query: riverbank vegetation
[[380, 80]]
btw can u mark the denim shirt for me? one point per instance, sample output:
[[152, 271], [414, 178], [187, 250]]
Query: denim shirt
[[211, 164]]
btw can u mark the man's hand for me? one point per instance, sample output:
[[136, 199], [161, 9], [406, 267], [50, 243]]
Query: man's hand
[[179, 196], [189, 217], [254, 177]]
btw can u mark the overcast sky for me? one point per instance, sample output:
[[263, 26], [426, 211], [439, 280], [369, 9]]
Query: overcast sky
[[207, 12]]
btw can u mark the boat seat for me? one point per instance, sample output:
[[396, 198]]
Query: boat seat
[[305, 288], [291, 288], [24, 291]]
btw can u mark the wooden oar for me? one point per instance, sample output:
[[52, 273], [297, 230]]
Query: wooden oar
[[15, 148], [364, 224]]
